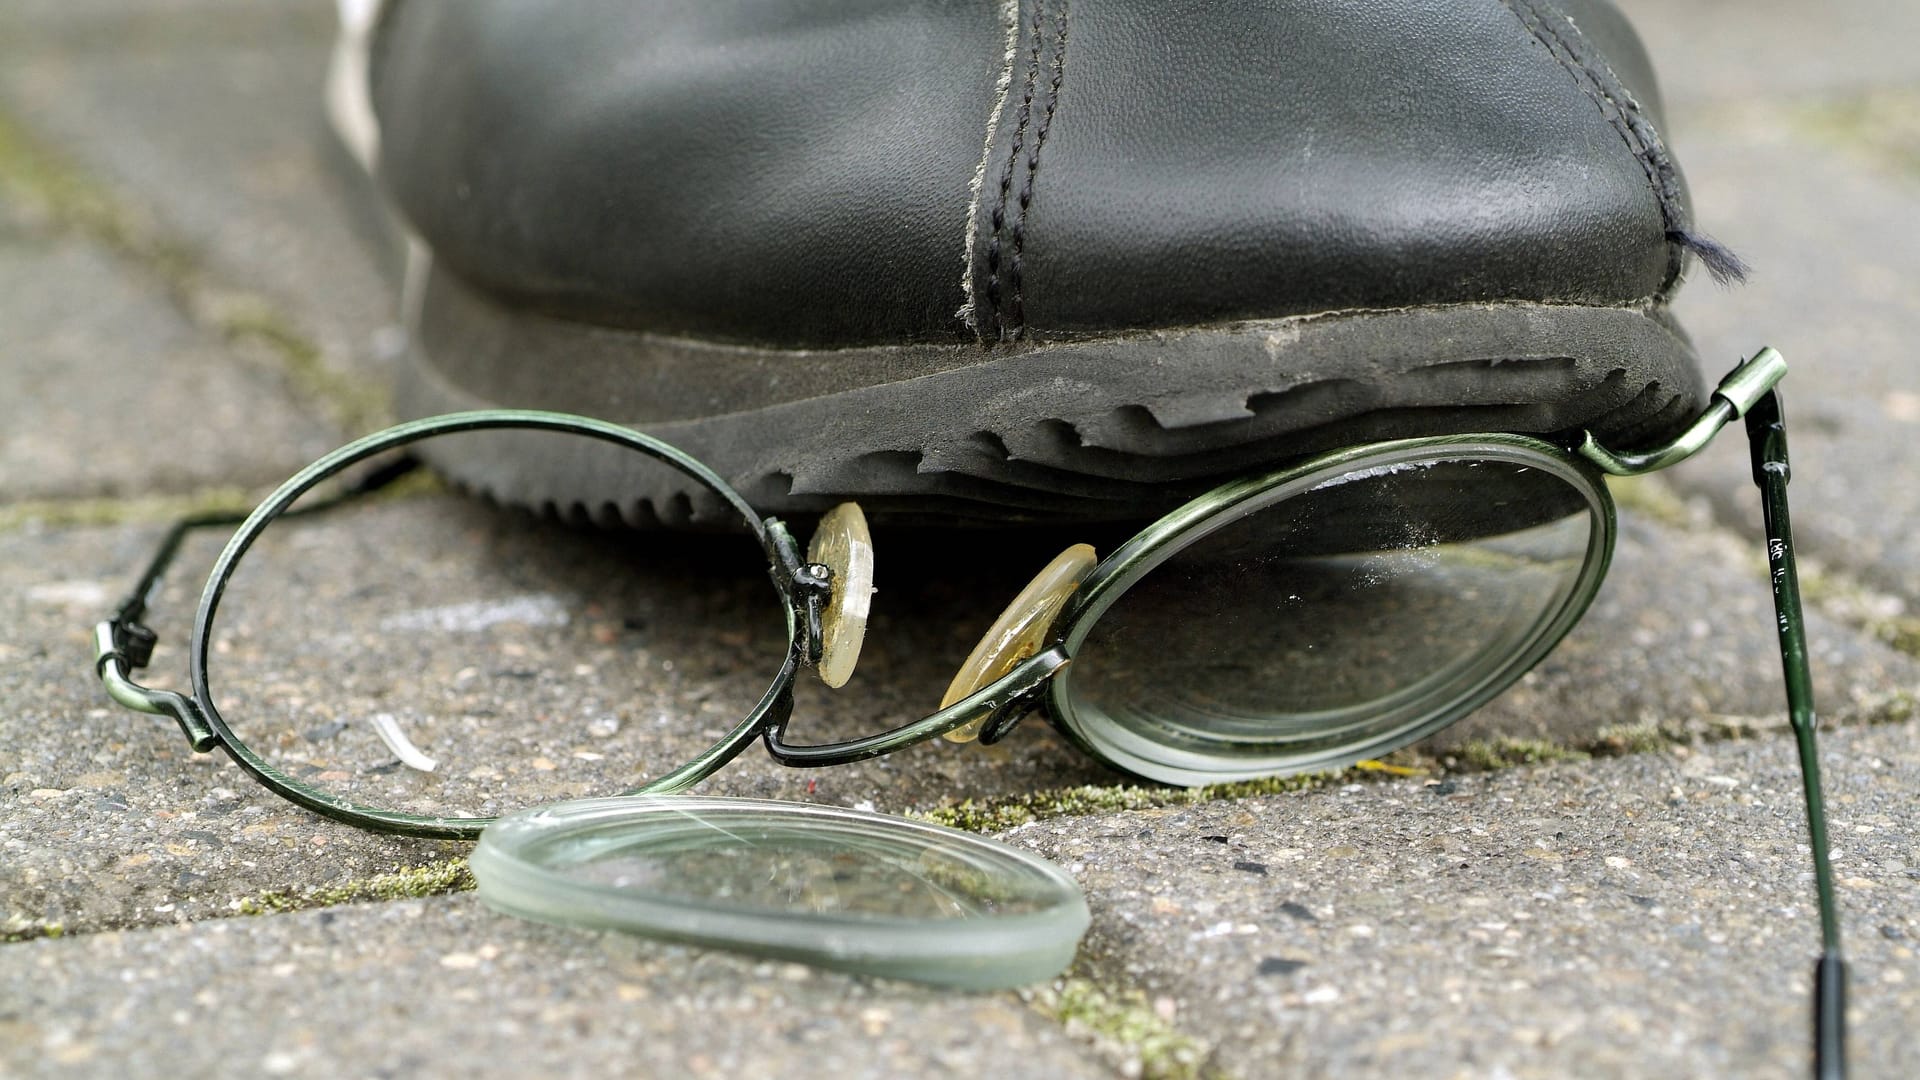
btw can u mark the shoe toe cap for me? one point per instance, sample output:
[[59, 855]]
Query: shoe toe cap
[[800, 176], [1316, 161]]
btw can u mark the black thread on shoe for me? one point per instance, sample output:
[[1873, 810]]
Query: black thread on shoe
[[999, 218], [1059, 70], [1597, 79]]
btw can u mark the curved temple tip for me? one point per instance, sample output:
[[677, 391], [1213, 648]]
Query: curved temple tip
[[1830, 1017]]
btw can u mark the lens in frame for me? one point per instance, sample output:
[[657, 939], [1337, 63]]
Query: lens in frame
[[1337, 616], [430, 654]]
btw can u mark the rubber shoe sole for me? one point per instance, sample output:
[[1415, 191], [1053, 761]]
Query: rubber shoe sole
[[1113, 429]]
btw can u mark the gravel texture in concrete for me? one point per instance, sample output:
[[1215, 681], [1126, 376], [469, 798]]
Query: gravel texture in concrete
[[446, 987], [1682, 637], [1649, 916]]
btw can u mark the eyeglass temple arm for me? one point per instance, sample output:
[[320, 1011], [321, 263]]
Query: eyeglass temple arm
[[1744, 385], [124, 643], [998, 705], [1767, 438]]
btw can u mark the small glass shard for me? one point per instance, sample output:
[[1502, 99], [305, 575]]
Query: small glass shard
[[385, 726]]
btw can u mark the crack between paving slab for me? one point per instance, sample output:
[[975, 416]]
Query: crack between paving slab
[[450, 876], [1120, 1025], [108, 510], [442, 878], [1879, 124], [1834, 593], [997, 815], [1476, 756], [259, 331], [414, 883], [1124, 1029], [84, 512]]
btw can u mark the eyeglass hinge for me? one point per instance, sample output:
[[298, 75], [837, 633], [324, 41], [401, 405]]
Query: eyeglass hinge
[[135, 643], [814, 583], [1004, 719], [807, 585], [124, 647], [1743, 386], [1750, 382]]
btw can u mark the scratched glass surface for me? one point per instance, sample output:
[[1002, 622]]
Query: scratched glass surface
[[820, 867]]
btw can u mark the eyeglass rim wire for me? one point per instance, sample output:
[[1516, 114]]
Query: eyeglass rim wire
[[123, 644]]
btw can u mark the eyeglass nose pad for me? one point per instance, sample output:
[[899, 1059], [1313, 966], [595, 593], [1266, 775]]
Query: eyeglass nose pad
[[843, 544], [1020, 631]]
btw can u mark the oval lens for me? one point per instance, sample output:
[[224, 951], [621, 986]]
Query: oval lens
[[1337, 614], [839, 888], [428, 654]]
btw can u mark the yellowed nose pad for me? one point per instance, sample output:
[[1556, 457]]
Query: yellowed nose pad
[[1019, 631], [843, 544]]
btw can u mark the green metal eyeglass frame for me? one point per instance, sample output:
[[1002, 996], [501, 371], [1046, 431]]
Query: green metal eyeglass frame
[[124, 644]]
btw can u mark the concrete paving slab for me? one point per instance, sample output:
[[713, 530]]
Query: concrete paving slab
[[584, 663], [111, 392], [106, 817], [207, 118], [1681, 639], [1739, 50], [1836, 287], [446, 987], [1648, 916]]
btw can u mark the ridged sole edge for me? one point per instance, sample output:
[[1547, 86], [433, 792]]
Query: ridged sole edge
[[1115, 430]]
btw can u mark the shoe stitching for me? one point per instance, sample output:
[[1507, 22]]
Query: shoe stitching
[[1006, 174], [1583, 77], [1010, 25], [1623, 111], [1723, 264], [1014, 275]]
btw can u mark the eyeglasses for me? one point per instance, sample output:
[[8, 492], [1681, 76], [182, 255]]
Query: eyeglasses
[[1302, 620]]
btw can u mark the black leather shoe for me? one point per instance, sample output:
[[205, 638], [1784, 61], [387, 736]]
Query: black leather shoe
[[1046, 259]]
